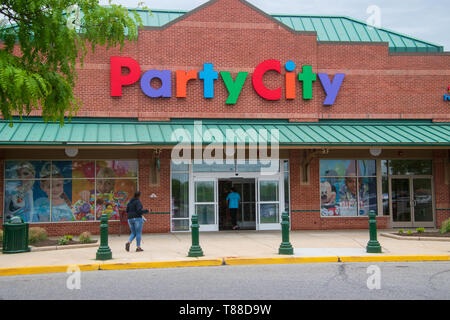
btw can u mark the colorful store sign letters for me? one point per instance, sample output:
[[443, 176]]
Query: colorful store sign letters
[[234, 87]]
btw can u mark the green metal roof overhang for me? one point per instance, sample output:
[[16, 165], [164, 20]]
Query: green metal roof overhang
[[328, 29], [129, 132]]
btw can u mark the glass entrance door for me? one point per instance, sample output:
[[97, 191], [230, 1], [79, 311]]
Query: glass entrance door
[[412, 202], [422, 202], [401, 202], [246, 217], [205, 203], [269, 210]]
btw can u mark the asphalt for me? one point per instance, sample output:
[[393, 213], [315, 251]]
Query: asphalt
[[229, 248]]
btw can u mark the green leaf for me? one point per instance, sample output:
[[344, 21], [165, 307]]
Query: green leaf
[[40, 52]]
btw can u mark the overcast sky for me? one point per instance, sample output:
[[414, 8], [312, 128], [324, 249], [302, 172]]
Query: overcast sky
[[427, 20]]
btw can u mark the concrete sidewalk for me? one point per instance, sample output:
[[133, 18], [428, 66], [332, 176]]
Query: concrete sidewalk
[[228, 247]]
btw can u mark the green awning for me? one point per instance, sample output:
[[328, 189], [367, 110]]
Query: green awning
[[131, 132]]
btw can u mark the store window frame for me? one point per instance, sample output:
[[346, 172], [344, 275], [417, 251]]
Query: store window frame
[[377, 177], [189, 170], [71, 178], [388, 176]]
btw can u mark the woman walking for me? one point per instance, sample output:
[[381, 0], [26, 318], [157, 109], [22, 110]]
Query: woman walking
[[135, 221]]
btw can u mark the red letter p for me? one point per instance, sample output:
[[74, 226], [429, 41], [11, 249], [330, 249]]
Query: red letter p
[[117, 79]]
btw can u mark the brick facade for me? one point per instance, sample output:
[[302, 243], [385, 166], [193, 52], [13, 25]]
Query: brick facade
[[235, 37], [229, 34]]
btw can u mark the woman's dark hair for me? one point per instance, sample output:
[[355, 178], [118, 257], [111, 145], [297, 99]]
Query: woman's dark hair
[[137, 194]]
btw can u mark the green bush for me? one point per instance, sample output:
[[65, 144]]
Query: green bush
[[400, 231], [85, 237], [445, 226], [420, 230], [409, 231], [64, 240], [36, 234]]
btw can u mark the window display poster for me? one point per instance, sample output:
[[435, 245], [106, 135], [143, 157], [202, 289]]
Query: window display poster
[[343, 192], [348, 197], [116, 168], [113, 196], [23, 190], [53, 191]]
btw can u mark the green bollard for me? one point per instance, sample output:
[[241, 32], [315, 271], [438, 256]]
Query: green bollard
[[373, 246], [285, 247], [195, 250], [104, 252]]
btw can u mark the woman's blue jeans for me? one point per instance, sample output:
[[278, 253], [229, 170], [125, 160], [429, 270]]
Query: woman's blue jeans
[[136, 230]]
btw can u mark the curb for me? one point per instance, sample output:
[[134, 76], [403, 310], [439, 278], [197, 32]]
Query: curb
[[162, 264], [394, 236], [46, 269], [215, 262], [284, 260], [109, 266], [411, 258], [72, 246]]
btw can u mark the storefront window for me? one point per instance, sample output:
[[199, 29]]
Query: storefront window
[[410, 167], [286, 185], [348, 188], [83, 199], [54, 191], [385, 191], [400, 186], [257, 165], [180, 197], [209, 166], [112, 196], [180, 225], [237, 166], [268, 205], [116, 169]]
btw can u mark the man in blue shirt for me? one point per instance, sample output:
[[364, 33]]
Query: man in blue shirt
[[233, 200]]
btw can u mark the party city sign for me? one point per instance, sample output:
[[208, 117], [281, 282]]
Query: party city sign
[[234, 87]]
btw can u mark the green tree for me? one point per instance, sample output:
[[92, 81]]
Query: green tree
[[41, 43]]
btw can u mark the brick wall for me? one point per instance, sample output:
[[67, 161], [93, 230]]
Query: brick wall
[[161, 204], [235, 37], [441, 186]]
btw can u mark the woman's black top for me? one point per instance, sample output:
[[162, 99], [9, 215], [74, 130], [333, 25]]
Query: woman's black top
[[135, 209]]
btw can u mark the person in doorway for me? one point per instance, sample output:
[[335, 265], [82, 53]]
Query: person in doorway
[[233, 201], [135, 221]]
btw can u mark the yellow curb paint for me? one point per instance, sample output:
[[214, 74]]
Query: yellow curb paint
[[162, 264], [45, 269], [395, 258], [216, 262], [287, 260]]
